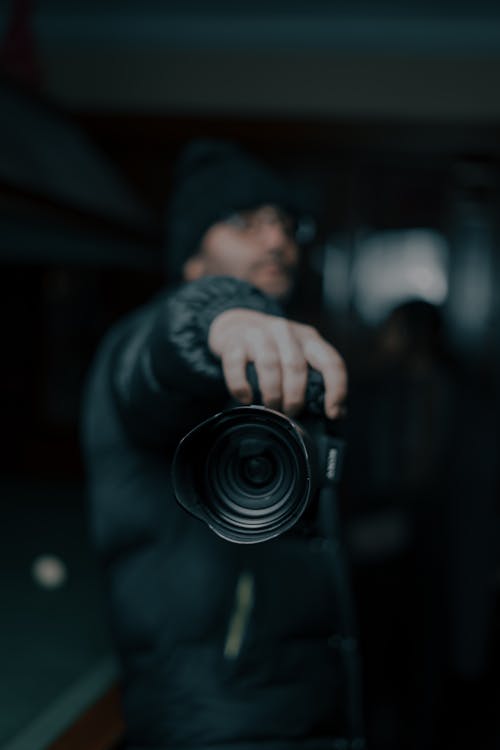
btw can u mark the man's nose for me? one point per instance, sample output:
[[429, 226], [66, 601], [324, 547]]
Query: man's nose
[[273, 235]]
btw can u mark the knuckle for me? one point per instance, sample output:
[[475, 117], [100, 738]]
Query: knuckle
[[295, 388], [334, 365], [251, 332], [230, 339], [269, 360], [294, 393], [234, 383], [333, 358], [234, 359], [233, 354], [269, 384], [235, 379], [318, 349], [296, 366]]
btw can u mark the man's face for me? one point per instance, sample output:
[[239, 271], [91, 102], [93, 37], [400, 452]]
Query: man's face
[[257, 246]]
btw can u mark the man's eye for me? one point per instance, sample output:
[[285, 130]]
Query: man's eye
[[288, 223], [236, 220]]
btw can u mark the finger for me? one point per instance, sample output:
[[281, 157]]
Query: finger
[[265, 356], [234, 358], [293, 367], [325, 358]]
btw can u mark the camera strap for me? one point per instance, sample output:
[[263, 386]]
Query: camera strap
[[331, 451]]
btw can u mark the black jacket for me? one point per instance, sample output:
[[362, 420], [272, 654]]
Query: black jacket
[[173, 584]]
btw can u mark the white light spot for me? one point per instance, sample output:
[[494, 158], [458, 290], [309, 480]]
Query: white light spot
[[49, 571], [395, 266]]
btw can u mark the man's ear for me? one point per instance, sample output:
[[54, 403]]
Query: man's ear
[[193, 268]]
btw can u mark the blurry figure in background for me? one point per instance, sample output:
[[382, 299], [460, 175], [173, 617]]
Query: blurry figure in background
[[401, 408], [221, 645], [415, 370], [422, 536], [399, 432], [420, 395]]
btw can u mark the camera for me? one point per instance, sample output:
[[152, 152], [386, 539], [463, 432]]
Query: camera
[[251, 473]]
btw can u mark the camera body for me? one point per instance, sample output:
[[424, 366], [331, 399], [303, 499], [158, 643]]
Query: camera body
[[251, 473]]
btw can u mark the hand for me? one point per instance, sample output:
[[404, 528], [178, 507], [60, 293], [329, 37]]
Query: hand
[[281, 351]]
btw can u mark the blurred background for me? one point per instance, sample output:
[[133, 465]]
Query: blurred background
[[389, 111]]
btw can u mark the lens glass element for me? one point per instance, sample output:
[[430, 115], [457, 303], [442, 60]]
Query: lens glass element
[[256, 475]]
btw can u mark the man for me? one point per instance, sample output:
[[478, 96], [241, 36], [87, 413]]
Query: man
[[176, 590]]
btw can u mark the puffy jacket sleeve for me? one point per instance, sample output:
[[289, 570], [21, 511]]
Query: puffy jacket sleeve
[[164, 377]]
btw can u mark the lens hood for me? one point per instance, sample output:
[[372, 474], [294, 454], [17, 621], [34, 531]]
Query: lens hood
[[248, 472]]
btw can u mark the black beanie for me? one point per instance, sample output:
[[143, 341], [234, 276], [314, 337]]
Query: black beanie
[[213, 179]]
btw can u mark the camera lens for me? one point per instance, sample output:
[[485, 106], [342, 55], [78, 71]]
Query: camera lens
[[248, 472], [256, 476]]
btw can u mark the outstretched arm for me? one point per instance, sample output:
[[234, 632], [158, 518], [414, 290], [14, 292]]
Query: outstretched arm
[[181, 358], [163, 374]]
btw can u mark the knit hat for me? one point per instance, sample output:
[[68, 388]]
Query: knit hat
[[212, 180]]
